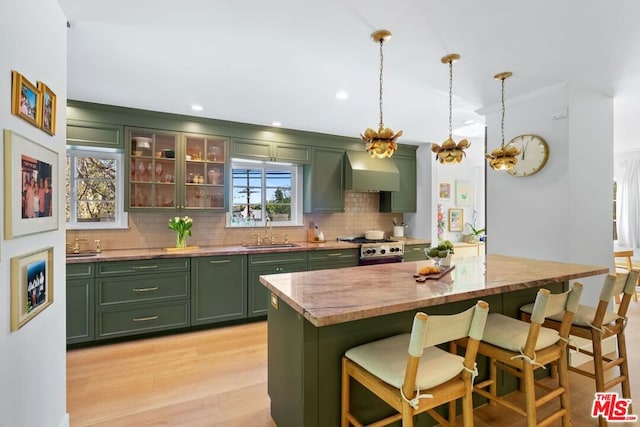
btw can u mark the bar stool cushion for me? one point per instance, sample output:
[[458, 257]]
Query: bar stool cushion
[[387, 360], [511, 334], [584, 315]]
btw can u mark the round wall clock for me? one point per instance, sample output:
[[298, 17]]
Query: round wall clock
[[534, 153]]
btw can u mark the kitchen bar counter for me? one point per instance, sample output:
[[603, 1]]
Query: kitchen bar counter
[[137, 254], [315, 316]]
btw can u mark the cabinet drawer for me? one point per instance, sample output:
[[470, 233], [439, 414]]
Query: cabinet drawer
[[143, 266], [148, 287], [77, 271], [143, 318], [415, 252], [277, 258], [337, 254]]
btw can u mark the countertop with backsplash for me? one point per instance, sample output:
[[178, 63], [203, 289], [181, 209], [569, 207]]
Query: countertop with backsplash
[[135, 254]]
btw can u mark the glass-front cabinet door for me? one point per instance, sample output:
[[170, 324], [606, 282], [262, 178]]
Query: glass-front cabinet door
[[204, 171], [169, 170]]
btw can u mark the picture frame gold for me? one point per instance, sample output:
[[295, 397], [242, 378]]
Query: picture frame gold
[[30, 186], [31, 285], [49, 109], [26, 99], [456, 219], [445, 190]]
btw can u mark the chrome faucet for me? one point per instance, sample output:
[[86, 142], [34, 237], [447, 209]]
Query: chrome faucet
[[267, 227]]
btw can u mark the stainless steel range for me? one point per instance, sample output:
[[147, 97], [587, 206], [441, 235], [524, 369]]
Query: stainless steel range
[[381, 251]]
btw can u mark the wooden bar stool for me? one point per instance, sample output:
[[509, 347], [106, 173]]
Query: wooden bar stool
[[520, 348], [623, 264], [423, 379], [596, 324]]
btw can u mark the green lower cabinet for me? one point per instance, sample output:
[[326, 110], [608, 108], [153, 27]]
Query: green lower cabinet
[[133, 319], [80, 310], [218, 289], [415, 252], [329, 259]]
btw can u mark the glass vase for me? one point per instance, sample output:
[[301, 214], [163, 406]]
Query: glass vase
[[181, 241]]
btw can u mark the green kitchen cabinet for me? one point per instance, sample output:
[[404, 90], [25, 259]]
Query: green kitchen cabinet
[[269, 151], [324, 181], [405, 199], [269, 263], [80, 303], [218, 289], [171, 170], [415, 252], [140, 296], [336, 258], [91, 134]]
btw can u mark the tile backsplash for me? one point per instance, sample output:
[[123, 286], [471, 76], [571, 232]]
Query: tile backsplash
[[149, 229]]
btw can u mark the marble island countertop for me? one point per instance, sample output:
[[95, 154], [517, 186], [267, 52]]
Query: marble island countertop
[[136, 254], [329, 297]]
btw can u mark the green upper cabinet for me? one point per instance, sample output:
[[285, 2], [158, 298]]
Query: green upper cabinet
[[324, 181], [405, 199], [270, 151], [93, 134], [170, 170]]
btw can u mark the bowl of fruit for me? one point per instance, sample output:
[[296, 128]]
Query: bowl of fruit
[[441, 254]]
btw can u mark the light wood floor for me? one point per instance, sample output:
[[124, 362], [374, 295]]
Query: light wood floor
[[218, 377]]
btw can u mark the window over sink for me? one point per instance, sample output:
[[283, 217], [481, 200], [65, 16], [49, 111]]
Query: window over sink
[[264, 189]]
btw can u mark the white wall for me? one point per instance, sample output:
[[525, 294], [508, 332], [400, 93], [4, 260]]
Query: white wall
[[32, 359], [562, 213]]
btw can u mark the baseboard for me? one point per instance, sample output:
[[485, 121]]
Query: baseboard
[[577, 359]]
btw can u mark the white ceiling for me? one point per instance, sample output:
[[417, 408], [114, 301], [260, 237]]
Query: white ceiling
[[258, 61]]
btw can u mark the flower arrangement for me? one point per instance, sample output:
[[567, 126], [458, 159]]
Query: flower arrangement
[[440, 222], [182, 226]]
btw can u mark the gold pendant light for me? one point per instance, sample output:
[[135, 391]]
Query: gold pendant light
[[449, 151], [503, 158], [382, 143]]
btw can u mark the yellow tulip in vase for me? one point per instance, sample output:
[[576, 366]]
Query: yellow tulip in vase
[[182, 227]]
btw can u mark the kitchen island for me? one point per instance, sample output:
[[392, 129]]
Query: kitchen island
[[314, 317]]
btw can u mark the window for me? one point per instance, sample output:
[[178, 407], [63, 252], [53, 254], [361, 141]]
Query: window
[[261, 189], [94, 183]]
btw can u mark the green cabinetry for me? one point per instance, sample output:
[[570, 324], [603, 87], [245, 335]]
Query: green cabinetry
[[324, 181], [405, 199], [218, 289], [92, 134], [270, 151], [269, 263], [134, 297], [415, 252], [80, 305], [337, 258]]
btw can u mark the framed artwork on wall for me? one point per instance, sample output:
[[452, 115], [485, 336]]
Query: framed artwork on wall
[[445, 190], [456, 219], [464, 193], [26, 99], [48, 116], [31, 285], [30, 186]]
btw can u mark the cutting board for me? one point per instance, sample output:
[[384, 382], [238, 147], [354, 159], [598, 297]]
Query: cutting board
[[435, 276]]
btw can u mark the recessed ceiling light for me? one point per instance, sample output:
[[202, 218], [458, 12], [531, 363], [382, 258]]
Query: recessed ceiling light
[[196, 107], [276, 124], [468, 122], [342, 95]]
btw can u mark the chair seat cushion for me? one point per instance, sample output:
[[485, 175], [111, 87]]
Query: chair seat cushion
[[387, 360], [511, 334], [584, 315]]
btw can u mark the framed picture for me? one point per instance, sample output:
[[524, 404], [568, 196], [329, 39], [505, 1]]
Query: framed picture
[[30, 186], [31, 285], [464, 193], [48, 116], [445, 188], [456, 219], [26, 99]]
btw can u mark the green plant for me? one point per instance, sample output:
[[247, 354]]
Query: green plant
[[442, 250], [476, 231]]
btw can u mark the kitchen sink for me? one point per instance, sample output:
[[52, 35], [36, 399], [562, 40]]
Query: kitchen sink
[[272, 246], [81, 254]]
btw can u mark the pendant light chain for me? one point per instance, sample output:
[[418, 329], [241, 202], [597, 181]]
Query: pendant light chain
[[381, 69], [502, 120], [450, 92]]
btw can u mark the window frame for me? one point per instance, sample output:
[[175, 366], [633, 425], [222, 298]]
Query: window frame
[[296, 191], [122, 217]]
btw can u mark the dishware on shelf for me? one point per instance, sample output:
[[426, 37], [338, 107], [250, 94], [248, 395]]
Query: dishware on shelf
[[158, 171], [213, 152]]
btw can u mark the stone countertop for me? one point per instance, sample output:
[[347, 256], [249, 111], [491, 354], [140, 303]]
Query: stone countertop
[[136, 254], [330, 297]]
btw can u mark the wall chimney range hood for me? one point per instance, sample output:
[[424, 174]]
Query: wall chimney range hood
[[364, 173]]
